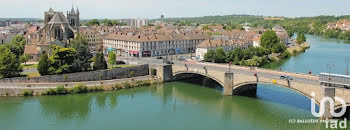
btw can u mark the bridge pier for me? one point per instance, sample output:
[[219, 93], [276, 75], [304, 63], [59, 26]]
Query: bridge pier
[[228, 85], [328, 92], [165, 73]]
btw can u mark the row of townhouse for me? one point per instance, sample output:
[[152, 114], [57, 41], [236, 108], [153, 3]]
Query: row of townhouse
[[226, 45], [154, 44]]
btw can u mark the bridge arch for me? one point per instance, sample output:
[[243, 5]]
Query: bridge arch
[[175, 74], [245, 84]]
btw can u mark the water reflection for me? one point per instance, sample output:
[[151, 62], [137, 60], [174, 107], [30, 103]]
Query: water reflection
[[155, 107]]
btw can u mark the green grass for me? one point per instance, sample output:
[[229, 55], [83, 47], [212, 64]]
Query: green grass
[[30, 66], [35, 74], [121, 66]]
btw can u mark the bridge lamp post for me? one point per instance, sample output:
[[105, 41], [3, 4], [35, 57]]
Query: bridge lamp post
[[329, 73], [229, 66], [347, 60], [288, 79]]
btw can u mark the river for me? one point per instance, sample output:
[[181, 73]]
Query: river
[[179, 105]]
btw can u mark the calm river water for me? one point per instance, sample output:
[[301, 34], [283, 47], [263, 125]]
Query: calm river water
[[179, 105]]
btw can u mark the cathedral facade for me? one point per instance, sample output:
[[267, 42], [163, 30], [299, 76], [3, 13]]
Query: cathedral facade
[[59, 29]]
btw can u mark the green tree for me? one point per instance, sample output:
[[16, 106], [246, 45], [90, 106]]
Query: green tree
[[43, 65], [61, 60], [209, 57], [279, 48], [107, 22], [269, 39], [10, 66], [238, 55], [220, 56], [230, 56], [301, 38], [17, 45], [100, 62], [112, 58], [93, 22], [24, 58], [82, 56]]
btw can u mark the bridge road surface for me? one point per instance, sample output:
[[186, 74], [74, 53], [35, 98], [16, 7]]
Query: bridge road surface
[[273, 74]]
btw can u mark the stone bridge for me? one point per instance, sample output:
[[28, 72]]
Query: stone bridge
[[237, 80]]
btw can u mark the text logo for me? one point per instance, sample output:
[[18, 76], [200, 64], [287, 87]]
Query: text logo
[[331, 106]]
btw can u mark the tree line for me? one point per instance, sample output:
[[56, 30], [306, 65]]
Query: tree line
[[252, 56], [105, 22], [307, 25]]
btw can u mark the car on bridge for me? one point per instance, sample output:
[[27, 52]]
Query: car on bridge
[[286, 77]]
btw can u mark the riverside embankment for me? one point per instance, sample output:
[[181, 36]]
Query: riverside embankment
[[102, 80]]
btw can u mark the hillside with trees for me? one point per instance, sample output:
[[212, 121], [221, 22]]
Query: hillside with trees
[[307, 25]]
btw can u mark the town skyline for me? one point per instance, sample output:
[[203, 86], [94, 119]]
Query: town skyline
[[174, 9]]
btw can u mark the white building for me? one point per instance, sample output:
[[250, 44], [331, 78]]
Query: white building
[[156, 44]]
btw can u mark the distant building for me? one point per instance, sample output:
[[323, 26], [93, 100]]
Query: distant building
[[210, 44], [343, 25], [135, 22], [279, 29], [5, 38], [246, 26], [281, 34], [94, 38]]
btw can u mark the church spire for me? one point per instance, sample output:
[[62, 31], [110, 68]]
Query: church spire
[[77, 10], [72, 11]]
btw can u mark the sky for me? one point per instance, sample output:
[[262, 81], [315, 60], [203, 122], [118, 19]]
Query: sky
[[116, 9]]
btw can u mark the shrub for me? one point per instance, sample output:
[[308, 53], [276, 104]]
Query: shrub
[[295, 51], [285, 54], [118, 86], [49, 92], [27, 92], [127, 84], [61, 90], [95, 89], [79, 88], [65, 77], [132, 73]]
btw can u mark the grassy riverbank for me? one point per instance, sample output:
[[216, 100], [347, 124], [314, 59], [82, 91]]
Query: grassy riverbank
[[82, 88], [294, 50]]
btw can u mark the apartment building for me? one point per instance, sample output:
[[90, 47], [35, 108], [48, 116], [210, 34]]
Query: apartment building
[[152, 44]]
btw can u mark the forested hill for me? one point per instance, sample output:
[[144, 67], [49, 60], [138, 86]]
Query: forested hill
[[312, 25]]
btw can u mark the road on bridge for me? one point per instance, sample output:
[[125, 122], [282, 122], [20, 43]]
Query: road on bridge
[[274, 74]]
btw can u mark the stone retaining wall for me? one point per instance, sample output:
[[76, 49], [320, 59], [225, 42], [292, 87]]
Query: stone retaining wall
[[117, 73]]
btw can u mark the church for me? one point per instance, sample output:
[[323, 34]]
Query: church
[[59, 30]]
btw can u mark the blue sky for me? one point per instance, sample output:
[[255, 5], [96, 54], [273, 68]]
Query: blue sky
[[174, 8]]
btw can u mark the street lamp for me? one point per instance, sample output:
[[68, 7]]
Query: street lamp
[[330, 70], [229, 65]]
